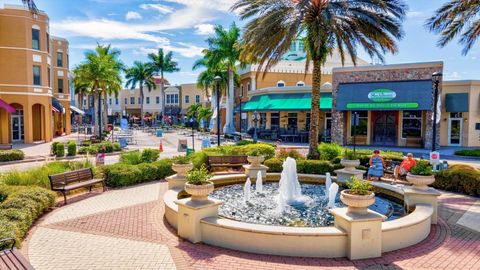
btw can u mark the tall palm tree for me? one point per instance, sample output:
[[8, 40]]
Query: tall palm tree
[[224, 49], [82, 88], [163, 63], [457, 17], [204, 113], [100, 71], [324, 25], [142, 75]]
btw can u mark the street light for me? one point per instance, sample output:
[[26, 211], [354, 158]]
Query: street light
[[241, 97], [217, 80], [255, 121], [193, 122], [436, 78]]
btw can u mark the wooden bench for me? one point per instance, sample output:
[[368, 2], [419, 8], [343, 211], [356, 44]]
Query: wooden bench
[[226, 161], [6, 146], [64, 182], [11, 258]]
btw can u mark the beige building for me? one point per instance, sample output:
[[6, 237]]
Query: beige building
[[29, 76], [191, 94]]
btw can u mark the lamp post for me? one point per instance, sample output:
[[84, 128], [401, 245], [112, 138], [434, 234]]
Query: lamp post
[[193, 123], [241, 97], [217, 80], [255, 121], [355, 117], [99, 114], [436, 78]]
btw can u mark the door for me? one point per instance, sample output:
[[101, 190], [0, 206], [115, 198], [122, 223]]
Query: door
[[17, 128], [385, 128], [455, 131]]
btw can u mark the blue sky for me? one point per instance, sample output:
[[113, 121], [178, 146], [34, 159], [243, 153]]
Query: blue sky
[[139, 27]]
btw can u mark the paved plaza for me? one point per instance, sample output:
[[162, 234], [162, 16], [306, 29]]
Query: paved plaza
[[113, 230]]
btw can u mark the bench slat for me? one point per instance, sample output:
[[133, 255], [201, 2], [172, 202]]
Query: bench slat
[[83, 184], [13, 259]]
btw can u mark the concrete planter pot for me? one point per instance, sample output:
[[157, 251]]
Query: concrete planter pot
[[255, 161], [350, 164], [357, 203], [420, 181], [199, 192], [182, 169]]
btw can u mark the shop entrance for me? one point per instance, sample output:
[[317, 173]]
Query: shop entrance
[[384, 128]]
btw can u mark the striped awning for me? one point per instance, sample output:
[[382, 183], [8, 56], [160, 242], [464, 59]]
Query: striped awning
[[56, 106], [9, 108], [77, 110]]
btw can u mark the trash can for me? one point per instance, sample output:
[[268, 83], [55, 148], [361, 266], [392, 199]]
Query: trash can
[[190, 151], [159, 132], [89, 131], [206, 143]]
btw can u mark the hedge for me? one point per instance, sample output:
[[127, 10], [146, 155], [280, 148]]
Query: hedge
[[319, 167], [11, 155], [463, 179], [20, 207], [72, 148], [103, 147], [60, 150], [119, 174], [468, 152], [137, 157]]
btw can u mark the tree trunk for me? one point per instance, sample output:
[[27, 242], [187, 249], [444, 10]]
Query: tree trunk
[[96, 109], [315, 111], [162, 109], [80, 101], [229, 106], [142, 120], [105, 111]]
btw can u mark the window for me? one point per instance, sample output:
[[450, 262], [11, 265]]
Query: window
[[157, 100], [140, 100], [300, 83], [328, 121], [263, 120], [248, 87], [176, 98], [49, 72], [456, 115], [307, 121], [110, 101], [147, 100], [60, 85], [362, 123], [37, 80], [168, 99], [280, 84], [292, 122], [132, 100], [84, 102], [116, 101], [35, 39], [197, 99], [48, 42], [301, 46], [411, 124], [241, 91], [274, 121], [293, 46], [125, 101], [187, 99], [59, 59]]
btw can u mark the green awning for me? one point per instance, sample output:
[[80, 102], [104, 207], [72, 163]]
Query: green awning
[[287, 102], [457, 102]]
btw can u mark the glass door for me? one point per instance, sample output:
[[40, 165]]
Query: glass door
[[455, 129], [17, 128]]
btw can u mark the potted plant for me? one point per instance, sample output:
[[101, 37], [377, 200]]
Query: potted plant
[[255, 157], [350, 160], [181, 165], [198, 184], [421, 175], [359, 195]]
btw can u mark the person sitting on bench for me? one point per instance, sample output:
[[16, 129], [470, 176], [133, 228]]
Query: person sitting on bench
[[377, 166], [404, 167]]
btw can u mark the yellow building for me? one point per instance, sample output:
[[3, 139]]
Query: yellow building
[[191, 94], [29, 77]]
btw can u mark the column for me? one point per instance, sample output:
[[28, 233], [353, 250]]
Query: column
[[4, 127], [27, 122]]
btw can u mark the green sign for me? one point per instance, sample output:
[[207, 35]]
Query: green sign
[[382, 95], [396, 105]]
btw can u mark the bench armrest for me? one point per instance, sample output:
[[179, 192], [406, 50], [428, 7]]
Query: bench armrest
[[4, 243]]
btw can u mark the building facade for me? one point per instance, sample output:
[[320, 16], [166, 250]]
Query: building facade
[[32, 107]]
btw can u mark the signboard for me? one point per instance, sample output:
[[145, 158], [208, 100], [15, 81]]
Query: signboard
[[182, 145], [390, 95], [434, 158], [100, 159], [124, 124]]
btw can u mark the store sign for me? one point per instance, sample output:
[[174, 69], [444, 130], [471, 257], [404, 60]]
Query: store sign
[[382, 95], [396, 105]]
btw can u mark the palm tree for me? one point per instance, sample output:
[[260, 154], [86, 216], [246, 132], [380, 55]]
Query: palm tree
[[324, 25], [204, 113], [142, 75], [99, 72], [192, 111], [82, 88], [162, 63], [457, 17], [224, 49]]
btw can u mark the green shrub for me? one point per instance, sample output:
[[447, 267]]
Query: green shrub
[[54, 148], [198, 176], [265, 150], [329, 151], [72, 148], [117, 147], [319, 167], [92, 150], [86, 143], [422, 168], [181, 160], [132, 157], [150, 155], [104, 147], [127, 174], [199, 158], [60, 150], [284, 153], [11, 155], [359, 187], [468, 152], [20, 207], [244, 142], [274, 165], [39, 176], [459, 179]]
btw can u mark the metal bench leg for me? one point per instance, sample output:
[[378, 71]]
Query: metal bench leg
[[90, 188], [64, 197], [104, 186]]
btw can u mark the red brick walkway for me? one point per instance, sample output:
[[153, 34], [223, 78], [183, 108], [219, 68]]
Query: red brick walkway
[[449, 246]]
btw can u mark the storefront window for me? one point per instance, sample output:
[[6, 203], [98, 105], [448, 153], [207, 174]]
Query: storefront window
[[361, 125], [292, 122], [412, 124], [307, 123], [274, 121], [263, 121]]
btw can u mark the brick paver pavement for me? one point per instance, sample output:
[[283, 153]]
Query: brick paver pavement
[[137, 225]]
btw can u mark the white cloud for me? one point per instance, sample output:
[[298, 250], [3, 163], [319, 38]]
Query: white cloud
[[158, 7], [415, 14], [453, 76], [132, 15], [185, 49], [204, 29]]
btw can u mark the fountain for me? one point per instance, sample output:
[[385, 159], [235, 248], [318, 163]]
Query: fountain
[[246, 190], [332, 194], [289, 189], [328, 182], [258, 182]]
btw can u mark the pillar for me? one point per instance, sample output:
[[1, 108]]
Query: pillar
[[4, 127], [28, 122], [47, 116], [190, 213], [415, 196], [364, 232], [68, 118]]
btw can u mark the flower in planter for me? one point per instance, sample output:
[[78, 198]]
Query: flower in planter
[[181, 160], [199, 176], [422, 168], [359, 187]]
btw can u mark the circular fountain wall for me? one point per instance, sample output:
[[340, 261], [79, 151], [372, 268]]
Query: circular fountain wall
[[265, 207]]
